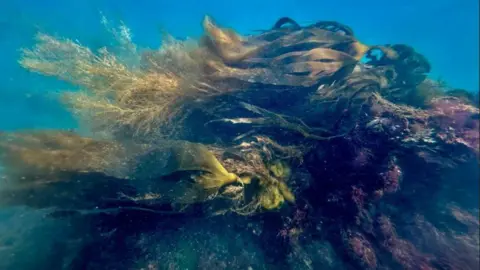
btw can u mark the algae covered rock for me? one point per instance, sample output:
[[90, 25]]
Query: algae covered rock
[[286, 131]]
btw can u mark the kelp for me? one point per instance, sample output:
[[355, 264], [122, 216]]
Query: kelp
[[361, 152], [149, 93], [272, 120], [411, 67], [283, 60], [65, 170], [279, 40]]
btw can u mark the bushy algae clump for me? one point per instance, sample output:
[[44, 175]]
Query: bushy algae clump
[[139, 91], [357, 158]]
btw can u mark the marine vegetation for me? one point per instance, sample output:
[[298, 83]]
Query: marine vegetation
[[299, 147]]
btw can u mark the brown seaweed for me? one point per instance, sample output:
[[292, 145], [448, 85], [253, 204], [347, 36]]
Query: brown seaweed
[[364, 153]]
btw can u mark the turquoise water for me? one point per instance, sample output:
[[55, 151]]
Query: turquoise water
[[445, 31]]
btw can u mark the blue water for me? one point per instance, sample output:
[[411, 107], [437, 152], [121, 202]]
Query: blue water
[[445, 31]]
